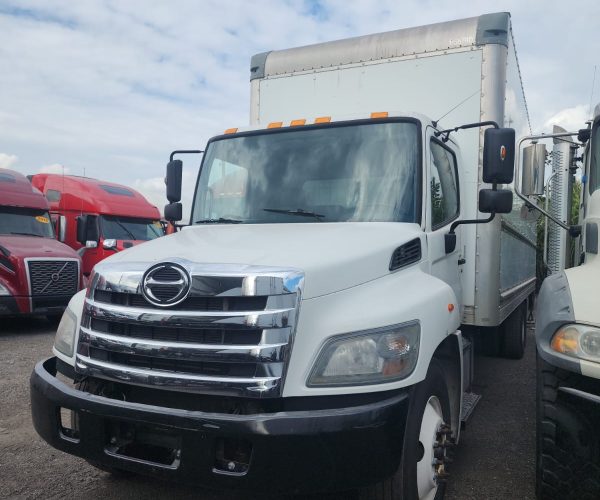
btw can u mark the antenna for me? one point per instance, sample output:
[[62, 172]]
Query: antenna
[[435, 122], [592, 93]]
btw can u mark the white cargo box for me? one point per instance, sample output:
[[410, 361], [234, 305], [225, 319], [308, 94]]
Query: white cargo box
[[456, 72]]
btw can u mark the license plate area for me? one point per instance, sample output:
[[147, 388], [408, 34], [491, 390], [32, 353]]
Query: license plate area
[[143, 443]]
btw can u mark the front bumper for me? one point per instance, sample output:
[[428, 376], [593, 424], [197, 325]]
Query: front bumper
[[289, 452], [22, 304]]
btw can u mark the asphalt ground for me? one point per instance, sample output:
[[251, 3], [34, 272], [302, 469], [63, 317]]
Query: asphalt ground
[[495, 458]]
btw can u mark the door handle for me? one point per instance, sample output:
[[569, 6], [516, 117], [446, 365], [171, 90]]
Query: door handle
[[461, 262]]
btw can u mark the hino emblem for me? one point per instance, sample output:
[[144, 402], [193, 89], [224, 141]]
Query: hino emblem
[[166, 284]]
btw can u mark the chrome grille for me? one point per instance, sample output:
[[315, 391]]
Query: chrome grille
[[53, 277], [232, 335]]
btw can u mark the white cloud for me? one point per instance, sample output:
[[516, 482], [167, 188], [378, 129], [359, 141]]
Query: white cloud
[[55, 168], [569, 118], [7, 161], [114, 87]]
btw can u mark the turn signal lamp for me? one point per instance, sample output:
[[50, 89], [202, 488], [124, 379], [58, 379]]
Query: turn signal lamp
[[578, 341], [565, 341]]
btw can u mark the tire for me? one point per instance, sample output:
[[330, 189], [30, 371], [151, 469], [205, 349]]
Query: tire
[[404, 484], [567, 451], [514, 333]]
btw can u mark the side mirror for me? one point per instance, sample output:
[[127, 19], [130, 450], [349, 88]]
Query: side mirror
[[173, 212], [173, 180], [534, 169], [499, 156], [497, 201], [87, 229]]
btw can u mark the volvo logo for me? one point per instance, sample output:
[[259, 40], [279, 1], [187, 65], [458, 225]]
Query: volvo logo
[[166, 284]]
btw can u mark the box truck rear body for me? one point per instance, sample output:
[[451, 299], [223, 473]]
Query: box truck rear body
[[455, 72]]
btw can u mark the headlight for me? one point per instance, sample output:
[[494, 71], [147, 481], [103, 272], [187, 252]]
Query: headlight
[[65, 334], [578, 341], [368, 357], [4, 291]]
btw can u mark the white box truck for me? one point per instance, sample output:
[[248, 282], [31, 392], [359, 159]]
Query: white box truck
[[306, 331]]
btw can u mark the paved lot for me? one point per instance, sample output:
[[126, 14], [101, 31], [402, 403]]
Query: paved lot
[[495, 459]]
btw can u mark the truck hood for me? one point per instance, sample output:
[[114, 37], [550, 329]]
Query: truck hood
[[33, 246], [333, 256]]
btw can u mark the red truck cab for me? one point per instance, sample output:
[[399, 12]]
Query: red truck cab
[[97, 218], [38, 275]]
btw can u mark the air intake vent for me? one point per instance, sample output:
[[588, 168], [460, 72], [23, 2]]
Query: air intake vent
[[407, 254]]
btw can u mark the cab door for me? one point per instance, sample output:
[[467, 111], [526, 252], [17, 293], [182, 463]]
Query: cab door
[[443, 208]]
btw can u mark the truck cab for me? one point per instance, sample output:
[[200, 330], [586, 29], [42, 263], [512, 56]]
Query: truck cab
[[97, 218], [38, 275], [568, 344]]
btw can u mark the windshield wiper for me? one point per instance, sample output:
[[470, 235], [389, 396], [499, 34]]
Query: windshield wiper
[[27, 234], [297, 211], [220, 220], [125, 229]]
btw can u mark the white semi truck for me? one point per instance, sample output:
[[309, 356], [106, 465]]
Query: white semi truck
[[568, 330], [310, 329]]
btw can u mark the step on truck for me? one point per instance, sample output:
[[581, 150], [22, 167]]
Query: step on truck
[[311, 329], [568, 317], [97, 218], [38, 275]]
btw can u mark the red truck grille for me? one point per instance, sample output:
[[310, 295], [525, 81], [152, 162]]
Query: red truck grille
[[53, 277]]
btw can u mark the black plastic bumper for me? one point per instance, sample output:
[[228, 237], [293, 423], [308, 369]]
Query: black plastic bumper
[[291, 452], [8, 306]]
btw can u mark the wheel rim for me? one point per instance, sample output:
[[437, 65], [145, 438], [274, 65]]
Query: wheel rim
[[432, 437]]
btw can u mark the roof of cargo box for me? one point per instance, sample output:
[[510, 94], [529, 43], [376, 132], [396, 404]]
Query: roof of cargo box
[[481, 30], [17, 191]]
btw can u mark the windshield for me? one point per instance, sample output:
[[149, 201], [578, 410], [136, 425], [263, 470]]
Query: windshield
[[26, 222], [361, 172], [129, 228]]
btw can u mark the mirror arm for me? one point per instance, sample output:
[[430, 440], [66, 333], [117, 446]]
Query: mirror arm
[[518, 176], [184, 151], [457, 223], [447, 132]]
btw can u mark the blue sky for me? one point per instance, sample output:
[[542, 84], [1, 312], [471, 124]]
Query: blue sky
[[111, 87]]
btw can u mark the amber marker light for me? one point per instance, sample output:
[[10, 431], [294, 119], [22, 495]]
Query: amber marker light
[[275, 125], [297, 123], [566, 341], [379, 114], [323, 119], [450, 307], [231, 131]]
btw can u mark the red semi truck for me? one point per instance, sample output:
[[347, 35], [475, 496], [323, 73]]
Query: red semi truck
[[38, 275], [97, 218]]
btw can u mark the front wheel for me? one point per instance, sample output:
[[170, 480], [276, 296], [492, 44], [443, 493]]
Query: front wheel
[[422, 471]]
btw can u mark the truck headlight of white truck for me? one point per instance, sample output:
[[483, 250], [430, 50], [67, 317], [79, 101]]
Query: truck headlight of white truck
[[65, 333], [579, 341], [380, 355]]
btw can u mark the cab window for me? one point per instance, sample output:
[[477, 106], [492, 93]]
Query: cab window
[[443, 183]]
